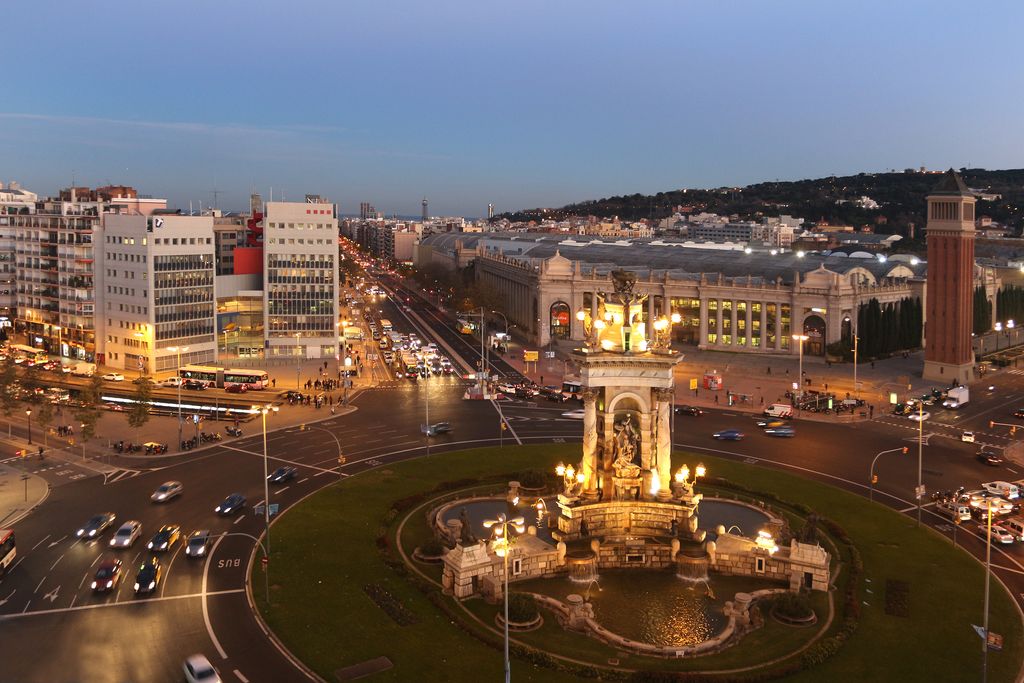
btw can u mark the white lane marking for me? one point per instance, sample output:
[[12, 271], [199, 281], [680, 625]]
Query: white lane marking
[[53, 543], [58, 561], [39, 585], [4, 601], [82, 582], [74, 598], [94, 561], [1011, 470], [240, 676], [167, 574], [41, 542], [101, 605], [239, 518], [270, 457], [282, 490], [206, 610], [302, 480], [52, 595]]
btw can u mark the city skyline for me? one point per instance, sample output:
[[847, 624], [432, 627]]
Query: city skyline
[[541, 106]]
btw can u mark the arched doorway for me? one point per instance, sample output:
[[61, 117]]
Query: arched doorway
[[814, 328], [561, 319]]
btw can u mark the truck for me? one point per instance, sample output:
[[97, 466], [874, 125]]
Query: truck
[[83, 369], [780, 410], [956, 397]]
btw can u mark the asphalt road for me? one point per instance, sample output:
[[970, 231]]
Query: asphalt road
[[201, 606]]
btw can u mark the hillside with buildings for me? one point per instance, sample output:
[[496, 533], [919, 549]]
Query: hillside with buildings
[[887, 203]]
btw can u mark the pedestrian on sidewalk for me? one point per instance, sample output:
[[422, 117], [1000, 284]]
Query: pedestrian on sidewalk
[[542, 380], [871, 410], [273, 383], [716, 398], [769, 369]]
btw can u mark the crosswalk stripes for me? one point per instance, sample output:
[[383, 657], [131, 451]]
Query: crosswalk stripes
[[1015, 372], [118, 475]]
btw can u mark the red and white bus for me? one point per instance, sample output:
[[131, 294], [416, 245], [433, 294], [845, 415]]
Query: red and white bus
[[207, 374], [7, 550], [254, 380]]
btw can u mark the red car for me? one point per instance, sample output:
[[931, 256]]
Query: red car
[[107, 576], [236, 388]]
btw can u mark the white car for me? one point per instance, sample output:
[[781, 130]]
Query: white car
[[113, 377], [967, 437], [172, 382], [1003, 489], [575, 414], [919, 417], [127, 534], [982, 499], [999, 534], [167, 490], [199, 670]]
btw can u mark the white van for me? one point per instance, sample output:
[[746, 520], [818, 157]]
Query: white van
[[1015, 525], [83, 369], [1003, 489], [779, 410], [955, 511]]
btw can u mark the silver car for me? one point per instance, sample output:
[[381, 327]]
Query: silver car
[[167, 491], [127, 534]]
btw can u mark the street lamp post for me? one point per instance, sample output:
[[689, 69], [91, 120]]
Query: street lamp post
[[920, 446], [871, 476], [344, 361], [298, 356], [988, 577], [266, 477], [999, 328], [801, 338], [502, 546], [178, 350], [856, 339], [28, 414]]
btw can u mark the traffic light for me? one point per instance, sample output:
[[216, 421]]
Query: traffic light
[[906, 450], [874, 478], [1013, 430]]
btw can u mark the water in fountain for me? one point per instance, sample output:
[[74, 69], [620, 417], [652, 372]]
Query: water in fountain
[[583, 572], [692, 569]]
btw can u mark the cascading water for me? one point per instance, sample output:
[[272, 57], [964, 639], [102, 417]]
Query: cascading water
[[582, 566]]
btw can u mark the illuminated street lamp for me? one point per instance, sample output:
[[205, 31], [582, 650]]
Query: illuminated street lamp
[[502, 547], [801, 338], [683, 484], [28, 414], [263, 410], [178, 350]]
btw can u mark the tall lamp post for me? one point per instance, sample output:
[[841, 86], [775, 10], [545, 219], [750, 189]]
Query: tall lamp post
[[999, 328], [178, 350], [920, 446], [856, 339], [28, 414], [502, 546], [988, 578], [266, 477], [344, 360], [298, 357], [871, 477], [801, 338]]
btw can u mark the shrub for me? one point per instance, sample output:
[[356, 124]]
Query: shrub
[[432, 548], [792, 605], [522, 608], [532, 479]]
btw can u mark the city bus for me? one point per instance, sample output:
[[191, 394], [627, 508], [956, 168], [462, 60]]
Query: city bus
[[572, 389], [463, 326], [28, 354], [208, 375], [410, 365], [385, 325], [7, 550], [252, 379]]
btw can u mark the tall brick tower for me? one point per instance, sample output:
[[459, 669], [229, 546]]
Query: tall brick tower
[[950, 291]]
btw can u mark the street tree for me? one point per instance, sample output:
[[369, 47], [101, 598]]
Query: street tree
[[138, 416], [44, 418], [88, 413], [8, 389]]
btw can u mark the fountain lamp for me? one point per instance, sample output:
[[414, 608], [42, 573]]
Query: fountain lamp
[[766, 542]]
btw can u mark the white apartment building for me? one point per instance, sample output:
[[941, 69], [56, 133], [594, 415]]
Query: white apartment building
[[300, 279], [155, 282]]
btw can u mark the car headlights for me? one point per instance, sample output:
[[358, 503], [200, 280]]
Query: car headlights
[[113, 541], [94, 584], [163, 545], [136, 585], [217, 509], [150, 545], [152, 585], [92, 532], [80, 532], [110, 583]]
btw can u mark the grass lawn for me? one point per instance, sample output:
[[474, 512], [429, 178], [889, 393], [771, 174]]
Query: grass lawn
[[325, 553]]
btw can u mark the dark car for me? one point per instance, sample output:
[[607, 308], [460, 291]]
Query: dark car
[[282, 474], [107, 576], [193, 384], [1019, 413], [236, 388], [292, 395], [148, 578], [553, 394], [437, 428], [729, 435], [198, 543], [165, 538], [783, 431], [689, 410], [990, 458], [525, 393], [231, 504], [96, 524]]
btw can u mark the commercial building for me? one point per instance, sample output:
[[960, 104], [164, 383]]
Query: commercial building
[[300, 279], [729, 299], [155, 275]]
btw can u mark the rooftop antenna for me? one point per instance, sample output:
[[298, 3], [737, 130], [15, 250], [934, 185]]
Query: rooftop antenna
[[216, 193]]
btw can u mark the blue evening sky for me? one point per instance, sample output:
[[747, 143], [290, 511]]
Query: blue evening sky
[[523, 104]]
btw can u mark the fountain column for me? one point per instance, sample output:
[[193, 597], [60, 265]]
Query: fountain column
[[664, 444], [589, 463]]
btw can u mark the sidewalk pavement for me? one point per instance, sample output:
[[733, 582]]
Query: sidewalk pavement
[[20, 493], [759, 380]]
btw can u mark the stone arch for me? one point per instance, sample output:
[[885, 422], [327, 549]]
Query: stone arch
[[632, 400], [815, 329]]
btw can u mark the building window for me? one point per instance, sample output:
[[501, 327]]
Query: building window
[[759, 565]]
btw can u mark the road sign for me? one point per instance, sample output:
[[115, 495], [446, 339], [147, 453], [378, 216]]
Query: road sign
[[919, 491], [693, 384], [530, 356], [549, 354], [273, 509], [893, 398]]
